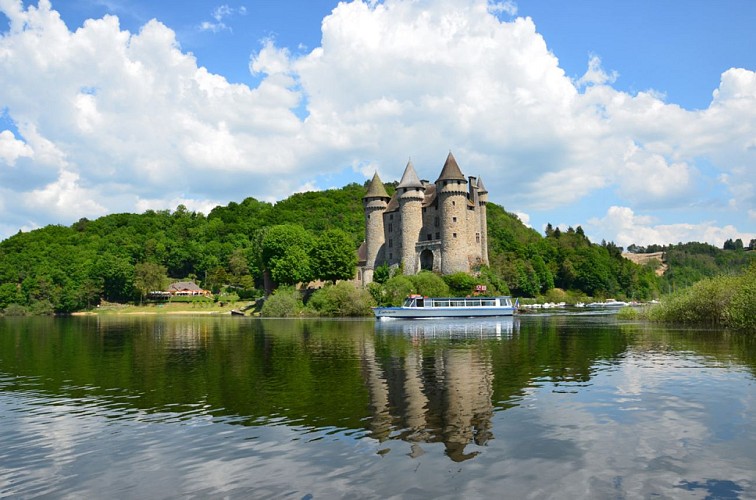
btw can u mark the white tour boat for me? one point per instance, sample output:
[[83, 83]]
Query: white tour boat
[[417, 306]]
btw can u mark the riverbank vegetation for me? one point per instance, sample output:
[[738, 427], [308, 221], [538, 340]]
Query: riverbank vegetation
[[726, 300], [242, 248]]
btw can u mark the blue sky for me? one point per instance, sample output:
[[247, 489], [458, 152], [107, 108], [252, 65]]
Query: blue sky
[[635, 120]]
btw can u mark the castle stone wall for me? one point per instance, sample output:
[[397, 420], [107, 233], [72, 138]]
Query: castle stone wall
[[439, 226], [410, 209]]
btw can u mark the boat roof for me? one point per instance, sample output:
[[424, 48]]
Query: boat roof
[[414, 296]]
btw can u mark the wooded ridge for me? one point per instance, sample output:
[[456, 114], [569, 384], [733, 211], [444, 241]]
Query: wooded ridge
[[121, 257]]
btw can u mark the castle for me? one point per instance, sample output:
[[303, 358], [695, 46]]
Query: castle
[[440, 227]]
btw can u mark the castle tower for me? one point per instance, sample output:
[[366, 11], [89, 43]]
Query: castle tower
[[375, 202], [411, 194], [482, 202], [451, 190]]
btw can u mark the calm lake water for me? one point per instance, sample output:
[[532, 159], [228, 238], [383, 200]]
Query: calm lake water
[[565, 406]]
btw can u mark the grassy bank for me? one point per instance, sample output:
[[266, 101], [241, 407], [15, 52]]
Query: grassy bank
[[166, 308], [727, 301]]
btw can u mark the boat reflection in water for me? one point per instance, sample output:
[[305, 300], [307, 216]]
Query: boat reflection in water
[[450, 327], [434, 392]]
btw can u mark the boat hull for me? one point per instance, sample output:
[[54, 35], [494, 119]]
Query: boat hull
[[439, 312]]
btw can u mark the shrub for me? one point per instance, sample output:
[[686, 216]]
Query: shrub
[[190, 299], [628, 313], [556, 295], [742, 311], [341, 299], [705, 302], [396, 289], [378, 292], [382, 273], [41, 308], [429, 284], [724, 300], [15, 310], [460, 284], [494, 284], [286, 302]]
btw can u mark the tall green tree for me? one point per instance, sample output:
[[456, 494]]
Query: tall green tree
[[286, 251], [334, 256], [149, 277]]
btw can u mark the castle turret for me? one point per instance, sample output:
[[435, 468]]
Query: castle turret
[[451, 190], [482, 202], [375, 202], [411, 193]]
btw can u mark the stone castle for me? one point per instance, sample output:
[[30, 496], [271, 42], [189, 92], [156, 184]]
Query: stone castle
[[440, 227]]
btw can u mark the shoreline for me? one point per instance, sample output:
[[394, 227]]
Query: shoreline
[[163, 310], [151, 313]]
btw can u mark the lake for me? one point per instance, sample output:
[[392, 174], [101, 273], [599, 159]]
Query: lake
[[536, 406]]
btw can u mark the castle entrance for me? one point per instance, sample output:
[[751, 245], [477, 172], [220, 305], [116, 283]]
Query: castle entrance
[[426, 260]]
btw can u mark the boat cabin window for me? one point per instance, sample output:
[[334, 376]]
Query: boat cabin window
[[414, 302]]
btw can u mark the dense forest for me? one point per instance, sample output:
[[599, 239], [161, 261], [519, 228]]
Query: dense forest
[[308, 236]]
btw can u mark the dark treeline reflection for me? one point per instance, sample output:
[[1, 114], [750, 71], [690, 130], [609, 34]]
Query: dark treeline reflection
[[421, 381]]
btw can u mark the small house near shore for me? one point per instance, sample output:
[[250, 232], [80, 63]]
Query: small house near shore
[[187, 289], [180, 289]]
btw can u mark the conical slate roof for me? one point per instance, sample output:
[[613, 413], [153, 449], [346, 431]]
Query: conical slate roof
[[410, 178], [451, 171], [481, 188], [376, 188]]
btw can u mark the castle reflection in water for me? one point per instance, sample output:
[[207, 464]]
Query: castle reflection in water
[[434, 392]]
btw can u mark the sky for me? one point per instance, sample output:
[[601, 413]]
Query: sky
[[633, 119]]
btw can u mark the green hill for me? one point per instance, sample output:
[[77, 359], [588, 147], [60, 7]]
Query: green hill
[[65, 269]]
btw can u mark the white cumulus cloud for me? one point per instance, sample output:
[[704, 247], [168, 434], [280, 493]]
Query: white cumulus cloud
[[135, 119], [624, 227], [12, 149]]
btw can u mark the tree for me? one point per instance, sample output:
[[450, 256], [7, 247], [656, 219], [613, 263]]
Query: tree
[[291, 268], [334, 256], [341, 299], [238, 265], [382, 273], [286, 253], [460, 284], [285, 302], [9, 295], [429, 284], [395, 290], [118, 277], [148, 277]]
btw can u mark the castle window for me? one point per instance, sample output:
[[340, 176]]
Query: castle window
[[436, 222], [430, 236], [391, 256], [391, 243], [438, 236], [454, 203], [454, 235], [477, 237], [454, 219], [391, 228], [391, 217]]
